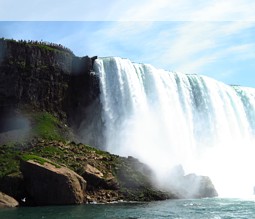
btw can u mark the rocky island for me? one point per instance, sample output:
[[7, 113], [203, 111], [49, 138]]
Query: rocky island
[[45, 93]]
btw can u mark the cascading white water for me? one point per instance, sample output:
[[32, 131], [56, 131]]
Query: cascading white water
[[166, 119]]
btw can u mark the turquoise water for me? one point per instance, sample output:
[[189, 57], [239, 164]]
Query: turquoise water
[[215, 208]]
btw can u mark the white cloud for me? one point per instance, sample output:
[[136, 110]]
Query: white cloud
[[190, 10], [227, 10], [190, 47], [198, 44], [242, 52], [56, 10], [179, 46], [132, 10]]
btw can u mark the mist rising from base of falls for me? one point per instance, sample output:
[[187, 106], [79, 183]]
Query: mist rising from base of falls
[[14, 127], [167, 119]]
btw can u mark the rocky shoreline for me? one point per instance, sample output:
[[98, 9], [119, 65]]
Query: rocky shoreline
[[60, 173], [74, 174]]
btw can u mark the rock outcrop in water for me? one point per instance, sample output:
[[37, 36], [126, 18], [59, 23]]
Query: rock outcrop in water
[[191, 185], [203, 186]]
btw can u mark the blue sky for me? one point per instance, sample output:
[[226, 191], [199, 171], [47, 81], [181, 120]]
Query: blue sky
[[213, 38]]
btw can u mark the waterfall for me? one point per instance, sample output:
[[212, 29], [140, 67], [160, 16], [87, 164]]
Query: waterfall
[[166, 119]]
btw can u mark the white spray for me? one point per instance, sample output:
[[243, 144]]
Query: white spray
[[166, 119]]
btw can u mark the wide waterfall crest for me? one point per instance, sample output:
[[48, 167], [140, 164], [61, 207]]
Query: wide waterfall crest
[[166, 119]]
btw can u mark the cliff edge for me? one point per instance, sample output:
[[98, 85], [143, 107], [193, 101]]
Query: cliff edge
[[44, 77]]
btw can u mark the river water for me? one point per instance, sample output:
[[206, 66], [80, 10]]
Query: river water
[[209, 208]]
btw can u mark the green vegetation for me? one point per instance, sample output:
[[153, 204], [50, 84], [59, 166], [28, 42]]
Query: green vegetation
[[47, 126], [48, 143], [33, 157], [131, 175], [45, 47], [41, 44], [38, 159], [9, 162]]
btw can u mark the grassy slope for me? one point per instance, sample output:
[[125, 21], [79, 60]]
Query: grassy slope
[[44, 127], [50, 140]]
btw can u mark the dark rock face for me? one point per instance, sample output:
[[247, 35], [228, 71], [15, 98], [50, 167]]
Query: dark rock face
[[83, 90], [47, 79], [7, 201], [50, 185], [14, 186], [34, 76]]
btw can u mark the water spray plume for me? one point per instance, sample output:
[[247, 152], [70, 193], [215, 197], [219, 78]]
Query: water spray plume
[[167, 119]]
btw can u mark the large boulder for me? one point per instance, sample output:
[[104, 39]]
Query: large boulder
[[50, 184], [7, 201]]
